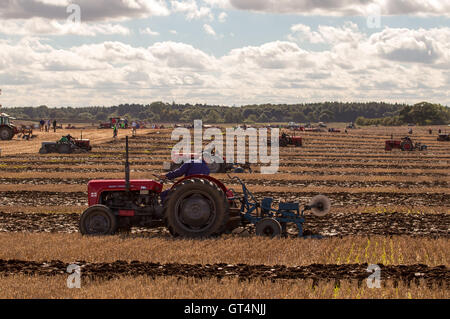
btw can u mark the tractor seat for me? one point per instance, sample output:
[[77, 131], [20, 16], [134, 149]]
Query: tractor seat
[[288, 206]]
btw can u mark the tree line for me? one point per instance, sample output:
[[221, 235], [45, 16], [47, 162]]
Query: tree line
[[362, 113]]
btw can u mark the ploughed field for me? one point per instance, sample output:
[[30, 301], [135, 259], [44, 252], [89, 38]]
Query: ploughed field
[[388, 208]]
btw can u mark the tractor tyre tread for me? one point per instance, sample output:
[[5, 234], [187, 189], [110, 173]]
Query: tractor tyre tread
[[221, 204], [106, 210]]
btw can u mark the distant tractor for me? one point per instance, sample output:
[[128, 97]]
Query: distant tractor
[[286, 140], [66, 145], [7, 128], [333, 130], [112, 121], [405, 144], [444, 137]]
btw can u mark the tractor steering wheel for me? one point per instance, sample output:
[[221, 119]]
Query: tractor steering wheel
[[159, 177]]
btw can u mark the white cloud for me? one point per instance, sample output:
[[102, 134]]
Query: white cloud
[[209, 30], [148, 31], [173, 31], [39, 26], [223, 17], [394, 65], [340, 8], [191, 10], [90, 10]]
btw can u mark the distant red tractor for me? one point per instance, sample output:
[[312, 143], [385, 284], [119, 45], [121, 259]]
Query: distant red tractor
[[444, 137], [405, 144], [286, 140], [114, 120]]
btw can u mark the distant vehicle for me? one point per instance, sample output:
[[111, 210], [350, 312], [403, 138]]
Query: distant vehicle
[[411, 124], [7, 128], [114, 120], [322, 124], [443, 138], [405, 144], [286, 140], [66, 145], [333, 130]]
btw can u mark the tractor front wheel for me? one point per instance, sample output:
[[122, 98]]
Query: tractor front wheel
[[196, 208], [6, 133], [98, 220]]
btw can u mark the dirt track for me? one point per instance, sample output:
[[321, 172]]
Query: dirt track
[[338, 224], [431, 275]]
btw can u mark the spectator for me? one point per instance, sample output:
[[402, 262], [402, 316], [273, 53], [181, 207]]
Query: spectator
[[115, 131], [41, 125], [133, 128], [54, 126]]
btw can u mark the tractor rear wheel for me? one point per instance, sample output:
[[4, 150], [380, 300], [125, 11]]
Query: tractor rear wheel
[[98, 220], [283, 142], [6, 133], [406, 146], [196, 208], [43, 150]]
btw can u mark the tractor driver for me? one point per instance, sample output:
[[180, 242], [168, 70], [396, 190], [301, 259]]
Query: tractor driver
[[193, 167]]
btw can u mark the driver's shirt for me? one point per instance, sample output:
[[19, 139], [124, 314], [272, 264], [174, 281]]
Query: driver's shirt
[[195, 167]]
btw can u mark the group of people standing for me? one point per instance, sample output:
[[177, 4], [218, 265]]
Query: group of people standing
[[46, 125], [134, 126]]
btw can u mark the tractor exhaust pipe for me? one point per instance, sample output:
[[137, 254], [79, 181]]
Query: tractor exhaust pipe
[[127, 167]]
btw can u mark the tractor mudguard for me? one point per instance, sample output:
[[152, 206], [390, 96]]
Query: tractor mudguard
[[210, 178]]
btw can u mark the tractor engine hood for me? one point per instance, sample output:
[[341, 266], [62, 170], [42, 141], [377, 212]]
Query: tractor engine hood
[[97, 187]]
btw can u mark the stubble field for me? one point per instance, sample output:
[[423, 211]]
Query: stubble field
[[388, 208]]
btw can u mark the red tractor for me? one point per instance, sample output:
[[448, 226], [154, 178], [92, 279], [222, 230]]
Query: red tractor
[[405, 144], [197, 206], [113, 121], [286, 140]]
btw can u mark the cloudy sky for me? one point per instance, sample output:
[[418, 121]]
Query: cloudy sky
[[228, 52]]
